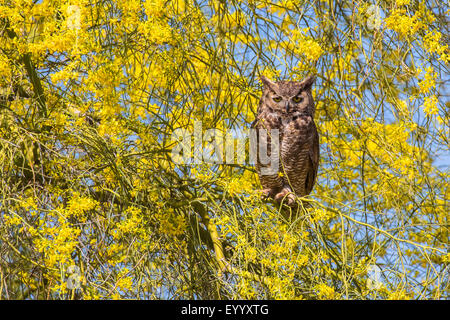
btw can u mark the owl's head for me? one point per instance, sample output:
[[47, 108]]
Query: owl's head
[[289, 97]]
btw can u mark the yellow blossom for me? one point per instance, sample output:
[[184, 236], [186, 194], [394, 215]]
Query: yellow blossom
[[325, 292], [402, 23], [430, 105]]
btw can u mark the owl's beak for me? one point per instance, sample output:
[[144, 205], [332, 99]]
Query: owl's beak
[[287, 106]]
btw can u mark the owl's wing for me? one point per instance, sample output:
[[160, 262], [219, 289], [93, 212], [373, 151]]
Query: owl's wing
[[314, 158]]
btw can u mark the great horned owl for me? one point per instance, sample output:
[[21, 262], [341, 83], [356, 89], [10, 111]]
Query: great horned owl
[[289, 107]]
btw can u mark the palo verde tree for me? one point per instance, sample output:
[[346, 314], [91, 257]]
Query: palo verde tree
[[93, 204]]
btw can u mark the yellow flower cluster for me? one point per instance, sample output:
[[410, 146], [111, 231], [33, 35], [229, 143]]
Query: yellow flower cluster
[[398, 295], [157, 32], [303, 45], [11, 220], [124, 281], [402, 2], [431, 42], [154, 8], [310, 48], [430, 105], [56, 242], [131, 222], [5, 68], [171, 223], [402, 23], [78, 205], [324, 291], [322, 215], [241, 185], [429, 80]]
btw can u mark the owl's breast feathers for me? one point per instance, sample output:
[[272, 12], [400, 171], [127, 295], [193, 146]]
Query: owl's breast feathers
[[300, 153], [299, 149]]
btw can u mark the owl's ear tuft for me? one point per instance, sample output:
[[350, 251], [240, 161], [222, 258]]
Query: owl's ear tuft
[[307, 83], [269, 84]]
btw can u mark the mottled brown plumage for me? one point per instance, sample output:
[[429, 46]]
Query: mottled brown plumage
[[289, 107]]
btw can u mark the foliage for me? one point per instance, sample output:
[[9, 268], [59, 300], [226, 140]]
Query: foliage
[[93, 206]]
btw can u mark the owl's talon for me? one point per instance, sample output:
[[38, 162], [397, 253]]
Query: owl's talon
[[286, 195], [266, 194]]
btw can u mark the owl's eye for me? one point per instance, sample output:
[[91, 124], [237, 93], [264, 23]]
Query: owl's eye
[[277, 99], [297, 99]]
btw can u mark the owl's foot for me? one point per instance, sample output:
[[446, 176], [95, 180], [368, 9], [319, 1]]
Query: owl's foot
[[286, 196], [267, 193]]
